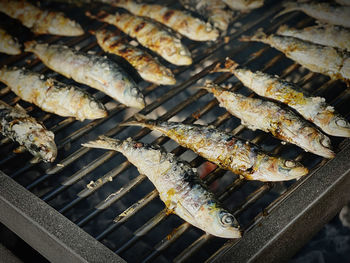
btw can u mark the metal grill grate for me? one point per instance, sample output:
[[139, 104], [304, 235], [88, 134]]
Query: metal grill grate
[[91, 187]]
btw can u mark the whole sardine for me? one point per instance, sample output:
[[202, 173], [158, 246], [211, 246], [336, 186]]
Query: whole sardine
[[147, 66], [324, 34], [268, 116], [213, 10], [40, 21], [96, 71], [314, 109], [52, 95], [9, 44], [17, 125], [227, 151], [317, 58], [180, 21], [325, 12], [244, 5], [150, 35], [178, 185]]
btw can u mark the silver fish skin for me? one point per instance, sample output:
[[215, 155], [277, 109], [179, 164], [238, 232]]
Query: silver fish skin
[[17, 125], [213, 10], [178, 20], [270, 117], [178, 184], [52, 95], [324, 34], [325, 12], [244, 5], [317, 58], [226, 150], [149, 68], [92, 70], [314, 109], [150, 35], [40, 21], [8, 44]]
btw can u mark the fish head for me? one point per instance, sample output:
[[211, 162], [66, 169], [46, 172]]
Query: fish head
[[269, 168], [43, 145], [92, 109], [321, 145], [338, 126]]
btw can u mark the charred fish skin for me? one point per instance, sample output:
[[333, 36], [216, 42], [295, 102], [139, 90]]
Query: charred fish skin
[[148, 67], [323, 34], [325, 12], [244, 5], [213, 10], [317, 58], [180, 21], [95, 71], [178, 185], [314, 109], [226, 150], [270, 117], [40, 21], [52, 95], [8, 44], [150, 35], [17, 125]]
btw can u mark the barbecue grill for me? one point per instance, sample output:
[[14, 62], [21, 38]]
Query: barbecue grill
[[92, 205]]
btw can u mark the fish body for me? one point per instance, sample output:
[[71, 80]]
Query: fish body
[[325, 34], [40, 21], [180, 21], [147, 66], [96, 71], [325, 12], [227, 151], [317, 58], [244, 5], [150, 35], [314, 109], [270, 117], [17, 125], [178, 184], [52, 95], [213, 10], [9, 44]]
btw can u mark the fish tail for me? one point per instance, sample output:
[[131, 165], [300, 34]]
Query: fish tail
[[29, 45], [104, 142], [282, 29], [141, 120], [230, 66], [288, 7], [258, 36]]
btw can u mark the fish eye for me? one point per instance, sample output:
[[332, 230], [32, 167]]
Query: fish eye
[[325, 141], [227, 219], [341, 123], [289, 164]]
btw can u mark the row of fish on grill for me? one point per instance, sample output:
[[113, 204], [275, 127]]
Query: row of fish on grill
[[177, 182]]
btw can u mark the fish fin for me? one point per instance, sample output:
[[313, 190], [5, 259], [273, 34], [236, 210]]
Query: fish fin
[[258, 36], [230, 66], [29, 45], [98, 16], [141, 120], [20, 108], [288, 7], [282, 29], [104, 142]]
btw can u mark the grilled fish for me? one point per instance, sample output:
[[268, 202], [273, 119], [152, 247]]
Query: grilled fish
[[150, 35], [343, 2], [9, 44], [213, 10], [180, 21], [244, 5], [178, 185], [324, 34], [315, 57], [52, 95], [17, 125], [227, 151], [40, 21], [325, 12], [314, 109], [268, 116], [95, 71], [147, 66]]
